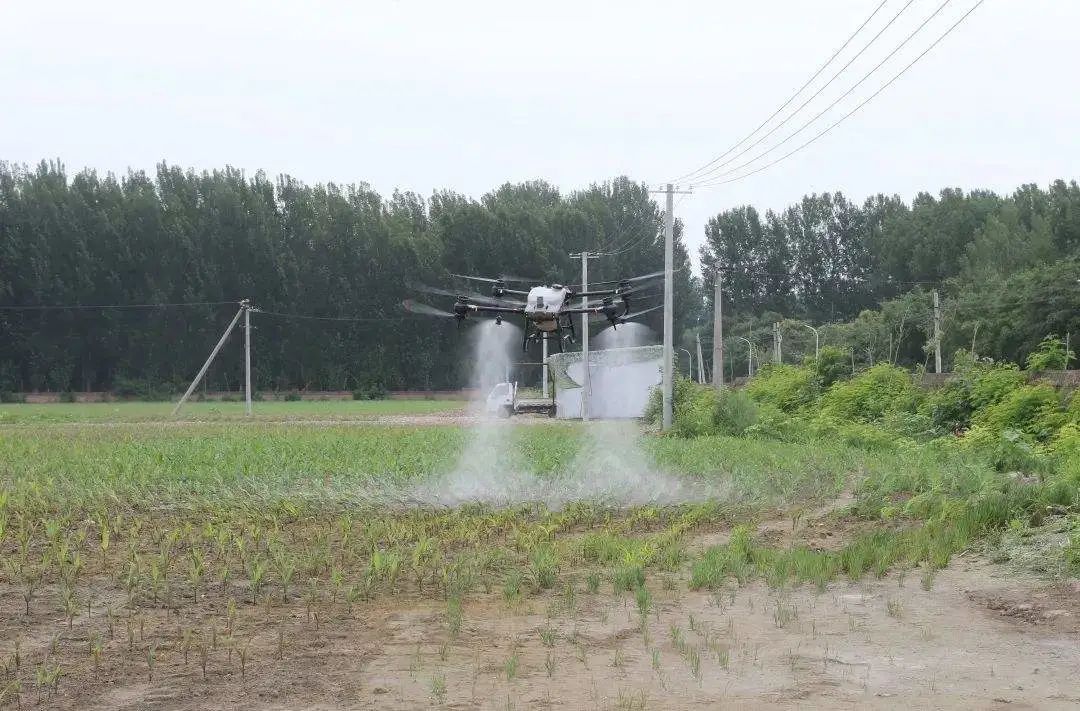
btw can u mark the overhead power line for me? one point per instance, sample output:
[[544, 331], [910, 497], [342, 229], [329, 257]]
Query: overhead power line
[[849, 114], [306, 317], [791, 98], [828, 108], [85, 307]]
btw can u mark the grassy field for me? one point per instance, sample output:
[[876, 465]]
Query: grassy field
[[194, 563], [275, 410]]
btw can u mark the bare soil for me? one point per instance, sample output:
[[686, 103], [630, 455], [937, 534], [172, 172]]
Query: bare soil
[[979, 638]]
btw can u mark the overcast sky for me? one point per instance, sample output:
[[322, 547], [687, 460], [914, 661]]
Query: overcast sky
[[468, 95]]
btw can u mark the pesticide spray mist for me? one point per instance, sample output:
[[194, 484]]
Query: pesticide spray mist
[[609, 467]]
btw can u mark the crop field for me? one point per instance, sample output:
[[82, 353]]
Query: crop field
[[114, 412], [400, 563]]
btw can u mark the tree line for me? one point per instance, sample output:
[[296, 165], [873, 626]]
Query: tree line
[[1007, 269], [298, 251], [330, 265]]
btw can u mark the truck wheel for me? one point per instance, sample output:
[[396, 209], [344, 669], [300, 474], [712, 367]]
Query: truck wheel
[[506, 411]]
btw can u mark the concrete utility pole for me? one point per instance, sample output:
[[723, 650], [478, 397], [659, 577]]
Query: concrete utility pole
[[669, 286], [669, 315], [700, 361], [586, 381], [778, 356], [937, 333], [244, 305], [718, 330], [543, 371]]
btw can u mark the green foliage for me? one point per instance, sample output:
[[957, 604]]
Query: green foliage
[[374, 391], [1034, 410], [975, 385], [8, 397], [870, 395], [328, 250], [701, 410], [788, 387], [831, 365], [1050, 355]]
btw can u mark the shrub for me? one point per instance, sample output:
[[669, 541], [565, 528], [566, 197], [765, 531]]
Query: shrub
[[1034, 410], [1049, 355], [871, 394], [701, 410], [369, 392], [67, 396], [976, 385], [831, 365], [788, 387], [292, 397], [8, 397]]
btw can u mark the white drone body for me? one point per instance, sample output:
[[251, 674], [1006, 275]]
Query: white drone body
[[544, 304]]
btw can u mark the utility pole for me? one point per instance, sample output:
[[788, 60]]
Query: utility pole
[[586, 382], [778, 357], [700, 362], [543, 370], [669, 287], [937, 333], [246, 306], [718, 330], [669, 316]]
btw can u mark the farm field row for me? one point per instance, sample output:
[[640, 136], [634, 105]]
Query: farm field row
[[377, 566], [275, 410]]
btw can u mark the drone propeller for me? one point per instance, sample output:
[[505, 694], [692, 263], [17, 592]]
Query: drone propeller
[[414, 307], [631, 280], [626, 317], [487, 280], [522, 280], [471, 296]]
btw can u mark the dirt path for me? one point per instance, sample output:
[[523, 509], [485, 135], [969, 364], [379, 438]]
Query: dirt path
[[977, 639]]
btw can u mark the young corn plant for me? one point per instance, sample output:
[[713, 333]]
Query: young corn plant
[[257, 575]]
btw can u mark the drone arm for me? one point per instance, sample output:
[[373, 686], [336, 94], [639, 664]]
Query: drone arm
[[483, 309]]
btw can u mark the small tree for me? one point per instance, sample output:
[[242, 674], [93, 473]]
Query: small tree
[[1051, 354]]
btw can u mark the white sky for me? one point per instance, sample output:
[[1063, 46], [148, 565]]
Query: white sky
[[467, 95]]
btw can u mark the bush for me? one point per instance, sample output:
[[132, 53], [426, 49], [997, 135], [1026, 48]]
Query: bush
[[976, 385], [67, 396], [788, 387], [292, 397], [701, 410], [830, 366], [137, 388], [9, 397], [1034, 410], [369, 392], [1049, 355], [871, 394]]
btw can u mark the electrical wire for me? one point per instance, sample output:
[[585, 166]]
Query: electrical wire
[[333, 318], [716, 173], [784, 105], [78, 307], [849, 114]]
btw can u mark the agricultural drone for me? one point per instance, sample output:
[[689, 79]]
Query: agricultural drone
[[548, 308]]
